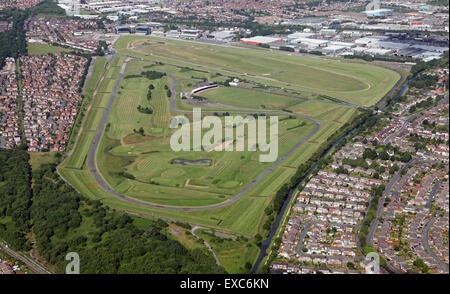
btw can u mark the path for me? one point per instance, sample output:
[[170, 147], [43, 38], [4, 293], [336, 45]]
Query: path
[[206, 243]]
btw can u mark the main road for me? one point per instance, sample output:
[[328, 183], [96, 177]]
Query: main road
[[93, 149]]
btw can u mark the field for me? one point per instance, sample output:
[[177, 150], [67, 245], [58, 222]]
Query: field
[[148, 158], [39, 49], [38, 158], [134, 157], [248, 99], [355, 82], [233, 253], [88, 92]]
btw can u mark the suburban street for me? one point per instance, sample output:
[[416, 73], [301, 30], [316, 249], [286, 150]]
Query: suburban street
[[426, 244]]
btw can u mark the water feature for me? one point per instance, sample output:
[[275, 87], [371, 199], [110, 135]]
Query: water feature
[[199, 162]]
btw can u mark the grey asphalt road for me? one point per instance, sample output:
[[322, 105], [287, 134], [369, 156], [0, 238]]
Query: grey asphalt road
[[105, 186], [387, 190], [301, 239], [426, 245], [373, 226], [434, 190]]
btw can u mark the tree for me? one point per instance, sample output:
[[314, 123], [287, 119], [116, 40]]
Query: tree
[[248, 266], [370, 153], [383, 155]]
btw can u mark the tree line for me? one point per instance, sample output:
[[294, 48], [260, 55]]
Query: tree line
[[61, 220]]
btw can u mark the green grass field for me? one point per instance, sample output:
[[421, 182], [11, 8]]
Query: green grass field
[[232, 253], [38, 158], [248, 98], [148, 158], [88, 92], [40, 49], [356, 82], [157, 176], [98, 70]]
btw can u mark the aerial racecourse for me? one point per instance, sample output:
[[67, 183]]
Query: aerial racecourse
[[208, 134]]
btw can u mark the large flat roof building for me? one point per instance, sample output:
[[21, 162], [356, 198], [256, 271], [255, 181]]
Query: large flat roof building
[[378, 12], [257, 40]]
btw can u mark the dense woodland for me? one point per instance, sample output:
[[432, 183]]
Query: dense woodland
[[15, 196], [13, 42], [61, 220]]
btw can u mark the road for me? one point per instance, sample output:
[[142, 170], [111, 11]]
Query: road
[[31, 264], [433, 193], [387, 190], [374, 224], [426, 245], [107, 188], [411, 118], [301, 239]]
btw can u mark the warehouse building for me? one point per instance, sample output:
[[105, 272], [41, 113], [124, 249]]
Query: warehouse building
[[300, 35], [378, 12], [260, 40], [190, 34], [221, 35], [143, 30], [333, 49], [311, 43], [123, 30], [327, 32]]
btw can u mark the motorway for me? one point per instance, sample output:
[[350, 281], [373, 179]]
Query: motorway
[[92, 152]]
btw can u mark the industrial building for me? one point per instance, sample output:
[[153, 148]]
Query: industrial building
[[378, 12], [190, 34], [259, 40], [309, 42], [300, 35], [132, 29], [123, 30], [143, 30], [221, 35]]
